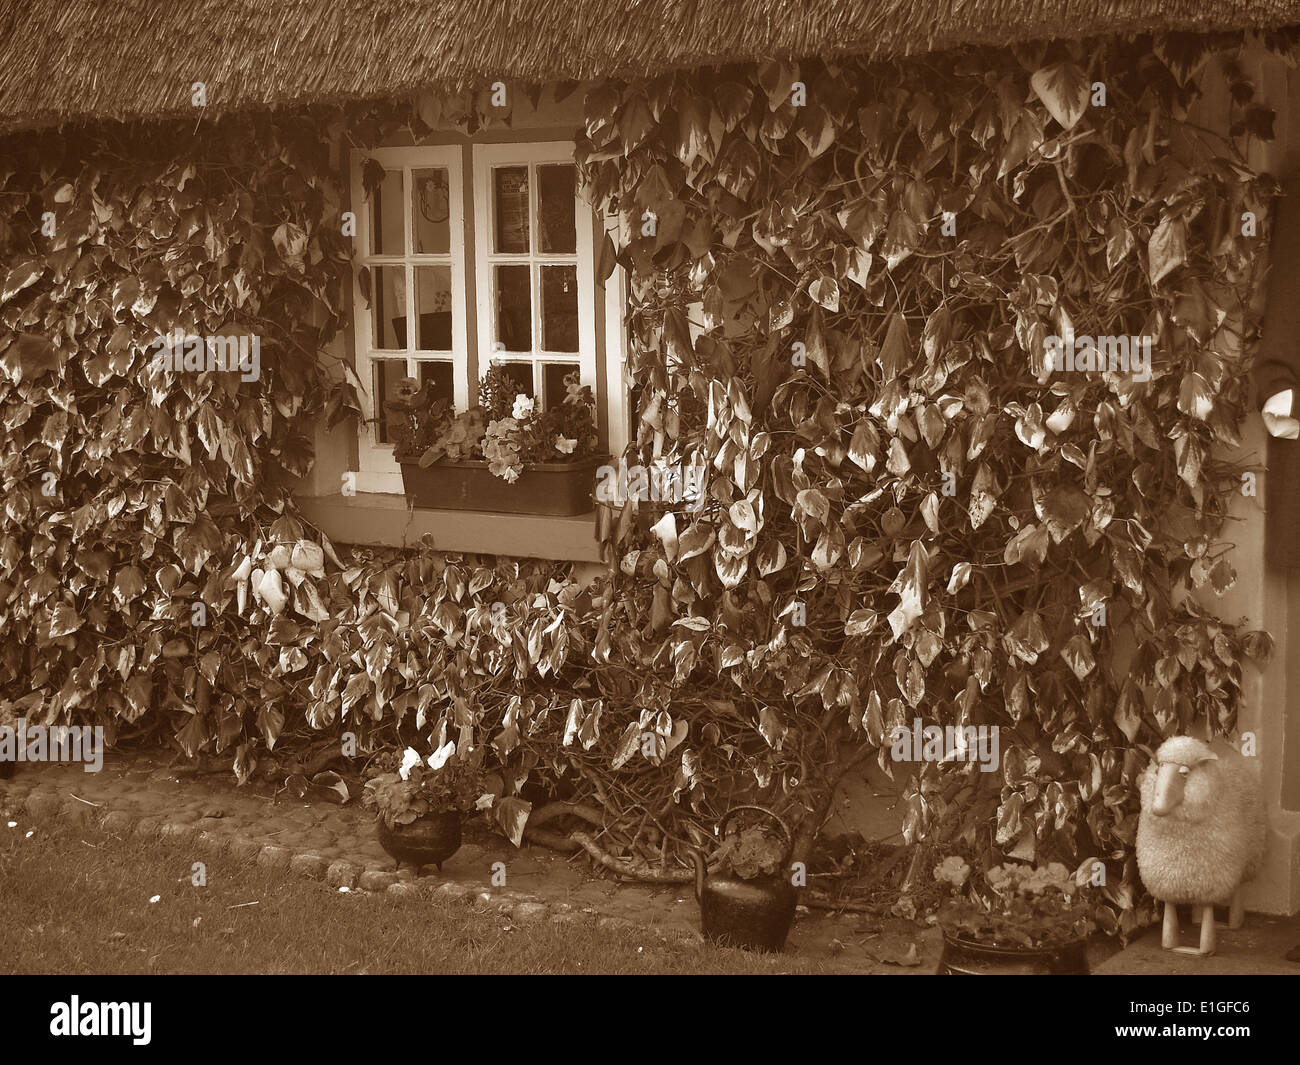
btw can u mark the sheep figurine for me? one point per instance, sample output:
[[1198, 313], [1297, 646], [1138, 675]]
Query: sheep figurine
[[1200, 834]]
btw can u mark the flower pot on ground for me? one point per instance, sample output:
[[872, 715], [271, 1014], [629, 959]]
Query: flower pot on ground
[[754, 908], [1020, 919], [503, 455], [421, 806]]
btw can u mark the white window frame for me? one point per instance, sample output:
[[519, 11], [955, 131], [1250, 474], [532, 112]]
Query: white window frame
[[486, 158], [377, 470]]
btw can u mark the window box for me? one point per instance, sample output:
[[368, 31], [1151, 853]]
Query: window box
[[554, 488]]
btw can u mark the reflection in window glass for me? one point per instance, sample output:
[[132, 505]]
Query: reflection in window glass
[[439, 379], [559, 308], [510, 205], [388, 320], [386, 216], [521, 374], [430, 212], [557, 230], [387, 373], [553, 375], [514, 308], [433, 303]]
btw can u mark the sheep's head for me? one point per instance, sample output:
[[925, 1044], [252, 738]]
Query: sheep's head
[[1181, 781]]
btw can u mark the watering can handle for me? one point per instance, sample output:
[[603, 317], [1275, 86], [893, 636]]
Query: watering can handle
[[785, 830], [701, 870]]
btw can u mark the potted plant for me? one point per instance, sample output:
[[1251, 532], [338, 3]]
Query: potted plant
[[1022, 919], [421, 805], [755, 907], [502, 455]]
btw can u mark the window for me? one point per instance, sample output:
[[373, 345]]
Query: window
[[512, 281], [411, 235], [533, 245]]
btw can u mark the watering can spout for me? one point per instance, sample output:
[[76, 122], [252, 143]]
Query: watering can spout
[[698, 860]]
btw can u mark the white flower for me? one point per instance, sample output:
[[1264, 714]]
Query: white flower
[[523, 407], [484, 801], [410, 759], [13, 824], [439, 757], [564, 446], [156, 898]]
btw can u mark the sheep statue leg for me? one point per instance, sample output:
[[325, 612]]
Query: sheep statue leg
[[1169, 931], [1207, 929], [1236, 910]]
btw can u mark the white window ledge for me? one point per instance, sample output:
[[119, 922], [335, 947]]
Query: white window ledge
[[386, 520]]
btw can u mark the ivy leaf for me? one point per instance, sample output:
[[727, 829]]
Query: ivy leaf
[[19, 277], [825, 291], [1064, 90], [733, 102], [896, 354], [64, 621], [1167, 248], [772, 727], [627, 745], [512, 816]]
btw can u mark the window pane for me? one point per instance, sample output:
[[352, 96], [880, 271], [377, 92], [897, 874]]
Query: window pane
[[433, 302], [514, 308], [386, 216], [439, 379], [430, 212], [560, 308], [387, 373], [555, 192], [510, 196], [553, 387], [389, 318], [521, 373]]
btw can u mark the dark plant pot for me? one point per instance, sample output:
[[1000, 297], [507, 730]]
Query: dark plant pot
[[428, 840], [751, 914], [554, 488], [969, 957]]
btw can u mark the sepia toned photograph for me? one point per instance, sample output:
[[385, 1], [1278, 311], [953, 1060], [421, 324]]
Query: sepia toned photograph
[[655, 488]]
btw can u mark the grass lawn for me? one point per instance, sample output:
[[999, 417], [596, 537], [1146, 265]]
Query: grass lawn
[[77, 901]]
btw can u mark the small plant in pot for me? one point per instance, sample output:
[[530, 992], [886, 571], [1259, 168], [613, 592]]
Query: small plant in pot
[[421, 806], [1017, 918], [754, 907]]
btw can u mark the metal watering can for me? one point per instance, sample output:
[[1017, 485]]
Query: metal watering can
[[753, 914]]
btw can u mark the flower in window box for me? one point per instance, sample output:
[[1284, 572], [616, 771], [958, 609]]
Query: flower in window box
[[565, 447], [523, 407]]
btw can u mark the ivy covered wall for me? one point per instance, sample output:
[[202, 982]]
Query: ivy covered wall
[[837, 305]]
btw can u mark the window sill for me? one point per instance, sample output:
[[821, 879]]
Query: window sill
[[385, 520]]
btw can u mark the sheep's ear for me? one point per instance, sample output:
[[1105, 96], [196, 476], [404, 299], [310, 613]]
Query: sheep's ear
[[1210, 756]]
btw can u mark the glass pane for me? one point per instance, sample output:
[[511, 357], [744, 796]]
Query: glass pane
[[430, 212], [439, 379], [514, 308], [557, 231], [388, 322], [387, 373], [553, 387], [559, 308], [521, 373], [510, 193], [386, 216], [433, 304]]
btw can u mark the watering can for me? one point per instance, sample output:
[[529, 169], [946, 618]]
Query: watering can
[[754, 914]]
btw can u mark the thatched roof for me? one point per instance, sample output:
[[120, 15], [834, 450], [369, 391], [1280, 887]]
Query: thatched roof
[[70, 60]]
